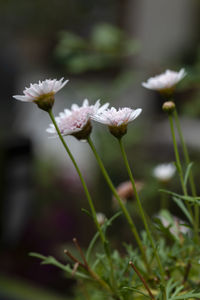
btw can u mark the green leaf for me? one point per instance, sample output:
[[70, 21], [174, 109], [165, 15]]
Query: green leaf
[[170, 286], [178, 290], [91, 245], [194, 200], [87, 212], [137, 291], [187, 173], [50, 260], [37, 255], [104, 228], [186, 296], [181, 205]]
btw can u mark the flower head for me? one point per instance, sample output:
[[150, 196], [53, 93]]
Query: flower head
[[101, 218], [76, 121], [125, 191], [117, 120], [176, 226], [164, 172], [42, 93], [165, 82], [168, 107]]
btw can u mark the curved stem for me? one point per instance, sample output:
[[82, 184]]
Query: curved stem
[[187, 160], [123, 207], [80, 176], [103, 239], [141, 209]]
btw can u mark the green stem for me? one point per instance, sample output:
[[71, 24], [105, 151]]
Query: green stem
[[164, 202], [178, 163], [123, 207], [104, 241], [187, 160], [80, 176], [141, 209]]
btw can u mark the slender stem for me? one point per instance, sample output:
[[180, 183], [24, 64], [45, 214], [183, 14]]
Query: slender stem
[[164, 201], [178, 162], [80, 176], [103, 239], [187, 160], [187, 271], [87, 268], [141, 208], [123, 207], [142, 279], [86, 263]]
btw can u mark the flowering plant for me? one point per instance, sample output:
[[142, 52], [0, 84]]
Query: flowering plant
[[165, 262]]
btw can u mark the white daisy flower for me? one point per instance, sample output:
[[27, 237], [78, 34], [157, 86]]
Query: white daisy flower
[[76, 121], [42, 93], [164, 82], [164, 172], [117, 120]]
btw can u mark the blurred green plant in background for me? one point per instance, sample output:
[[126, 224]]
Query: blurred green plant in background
[[106, 47]]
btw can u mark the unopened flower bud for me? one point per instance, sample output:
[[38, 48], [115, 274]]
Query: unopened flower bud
[[125, 191], [164, 172], [168, 107], [101, 218]]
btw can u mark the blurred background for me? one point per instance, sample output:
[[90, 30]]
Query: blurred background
[[106, 49]]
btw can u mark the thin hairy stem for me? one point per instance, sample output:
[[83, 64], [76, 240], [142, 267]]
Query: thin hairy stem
[[80, 176], [141, 209], [142, 279], [178, 163], [187, 160], [123, 207]]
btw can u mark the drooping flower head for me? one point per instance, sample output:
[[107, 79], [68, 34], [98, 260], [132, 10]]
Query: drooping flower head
[[125, 191], [165, 82], [76, 121], [117, 120], [164, 172], [42, 93]]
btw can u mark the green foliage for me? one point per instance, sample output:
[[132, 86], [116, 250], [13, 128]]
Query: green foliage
[[106, 46], [178, 253]]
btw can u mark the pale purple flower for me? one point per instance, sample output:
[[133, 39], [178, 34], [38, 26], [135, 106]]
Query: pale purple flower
[[175, 225], [117, 120], [164, 172], [113, 117], [77, 120], [39, 90], [164, 81]]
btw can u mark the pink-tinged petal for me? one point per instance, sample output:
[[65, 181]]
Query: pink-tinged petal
[[166, 80], [74, 121], [41, 88], [85, 103], [74, 107], [23, 98], [135, 114], [113, 117]]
